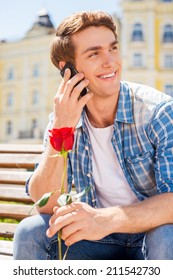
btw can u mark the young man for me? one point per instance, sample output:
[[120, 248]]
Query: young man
[[123, 149]]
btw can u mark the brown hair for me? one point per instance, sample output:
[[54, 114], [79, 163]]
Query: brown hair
[[62, 48]]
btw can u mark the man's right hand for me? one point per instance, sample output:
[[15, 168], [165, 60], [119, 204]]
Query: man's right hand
[[67, 105]]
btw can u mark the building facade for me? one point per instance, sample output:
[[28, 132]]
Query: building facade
[[28, 83], [147, 42]]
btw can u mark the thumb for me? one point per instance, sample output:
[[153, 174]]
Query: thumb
[[55, 208]]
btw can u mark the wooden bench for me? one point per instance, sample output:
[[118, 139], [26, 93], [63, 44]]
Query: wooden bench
[[16, 165]]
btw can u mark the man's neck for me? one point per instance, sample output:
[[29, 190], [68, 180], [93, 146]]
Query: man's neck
[[101, 114]]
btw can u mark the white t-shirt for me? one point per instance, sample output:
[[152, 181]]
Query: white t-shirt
[[112, 187]]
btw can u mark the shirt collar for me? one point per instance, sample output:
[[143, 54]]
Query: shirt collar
[[125, 104]]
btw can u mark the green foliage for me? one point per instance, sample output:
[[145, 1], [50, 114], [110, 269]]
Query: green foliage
[[85, 191], [42, 201]]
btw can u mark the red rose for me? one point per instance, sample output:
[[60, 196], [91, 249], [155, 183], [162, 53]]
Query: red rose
[[62, 139]]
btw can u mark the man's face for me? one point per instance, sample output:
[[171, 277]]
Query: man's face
[[98, 57]]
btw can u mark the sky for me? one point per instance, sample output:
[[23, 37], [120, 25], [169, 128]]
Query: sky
[[18, 16]]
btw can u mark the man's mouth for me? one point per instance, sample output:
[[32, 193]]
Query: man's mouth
[[107, 76]]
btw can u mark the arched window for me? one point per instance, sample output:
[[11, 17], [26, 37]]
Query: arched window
[[168, 33], [137, 33]]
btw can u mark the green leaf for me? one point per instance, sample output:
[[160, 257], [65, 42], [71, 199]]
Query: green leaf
[[42, 201], [85, 191], [64, 199]]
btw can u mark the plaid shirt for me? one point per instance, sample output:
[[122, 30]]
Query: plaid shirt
[[142, 140]]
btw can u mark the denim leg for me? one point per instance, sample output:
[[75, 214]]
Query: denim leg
[[112, 247], [158, 243], [31, 243], [30, 240]]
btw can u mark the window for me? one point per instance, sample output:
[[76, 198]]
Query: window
[[9, 128], [35, 97], [35, 72], [137, 33], [137, 60], [168, 33], [168, 61], [169, 89], [34, 129], [34, 124], [10, 99], [10, 74]]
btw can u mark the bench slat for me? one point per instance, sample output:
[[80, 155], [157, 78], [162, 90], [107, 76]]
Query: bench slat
[[6, 248], [14, 193], [18, 160], [14, 177], [7, 229], [15, 211], [6, 257], [21, 148]]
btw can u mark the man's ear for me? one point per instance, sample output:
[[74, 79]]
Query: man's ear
[[61, 64]]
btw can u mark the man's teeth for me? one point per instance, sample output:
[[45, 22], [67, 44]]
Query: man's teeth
[[107, 76]]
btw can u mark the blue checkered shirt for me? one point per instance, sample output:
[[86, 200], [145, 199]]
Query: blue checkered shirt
[[142, 141]]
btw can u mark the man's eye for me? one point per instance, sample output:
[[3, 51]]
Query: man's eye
[[114, 47], [93, 54]]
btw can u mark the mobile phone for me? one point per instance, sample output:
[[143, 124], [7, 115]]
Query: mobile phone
[[73, 73]]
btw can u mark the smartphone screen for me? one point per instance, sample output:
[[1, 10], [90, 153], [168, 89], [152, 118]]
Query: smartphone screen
[[73, 72]]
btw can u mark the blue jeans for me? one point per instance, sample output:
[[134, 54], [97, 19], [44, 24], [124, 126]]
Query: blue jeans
[[31, 243]]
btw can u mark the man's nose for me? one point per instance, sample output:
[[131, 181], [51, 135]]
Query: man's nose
[[108, 60]]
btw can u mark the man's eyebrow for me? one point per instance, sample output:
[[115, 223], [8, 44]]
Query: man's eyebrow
[[95, 48]]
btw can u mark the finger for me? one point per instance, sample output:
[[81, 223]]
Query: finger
[[55, 209], [78, 89], [84, 99], [67, 75], [60, 222], [69, 230], [73, 238], [60, 211], [53, 217], [63, 210], [71, 83]]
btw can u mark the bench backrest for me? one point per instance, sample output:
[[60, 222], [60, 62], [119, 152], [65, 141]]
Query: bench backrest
[[16, 166]]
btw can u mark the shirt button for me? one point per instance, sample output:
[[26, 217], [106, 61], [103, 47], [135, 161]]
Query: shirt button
[[86, 148]]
